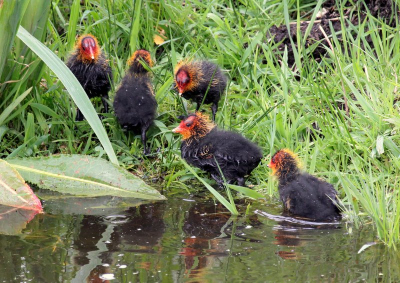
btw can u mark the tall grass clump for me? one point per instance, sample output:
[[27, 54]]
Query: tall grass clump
[[340, 114]]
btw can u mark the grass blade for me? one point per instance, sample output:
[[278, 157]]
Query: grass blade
[[73, 21], [6, 113], [218, 196], [11, 13], [135, 26]]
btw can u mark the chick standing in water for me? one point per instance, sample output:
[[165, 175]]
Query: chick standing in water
[[302, 194]]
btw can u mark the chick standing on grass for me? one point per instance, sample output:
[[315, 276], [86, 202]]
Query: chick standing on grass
[[92, 70], [201, 82], [204, 145], [134, 104], [302, 194]]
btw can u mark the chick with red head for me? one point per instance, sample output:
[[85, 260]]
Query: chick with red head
[[302, 194], [201, 82], [91, 68], [207, 147]]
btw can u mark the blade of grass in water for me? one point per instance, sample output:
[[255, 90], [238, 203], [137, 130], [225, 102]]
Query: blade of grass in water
[[231, 207]]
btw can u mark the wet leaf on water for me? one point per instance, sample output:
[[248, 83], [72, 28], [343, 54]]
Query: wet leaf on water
[[13, 220], [15, 192], [56, 203], [84, 176]]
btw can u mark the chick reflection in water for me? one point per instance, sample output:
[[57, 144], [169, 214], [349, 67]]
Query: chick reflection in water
[[209, 228], [294, 232], [203, 225]]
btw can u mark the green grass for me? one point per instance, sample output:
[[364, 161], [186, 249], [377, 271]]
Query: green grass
[[266, 101]]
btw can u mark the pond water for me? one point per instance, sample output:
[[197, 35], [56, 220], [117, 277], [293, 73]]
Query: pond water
[[184, 239]]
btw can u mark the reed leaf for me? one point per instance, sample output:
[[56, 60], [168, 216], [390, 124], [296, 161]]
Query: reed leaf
[[11, 13]]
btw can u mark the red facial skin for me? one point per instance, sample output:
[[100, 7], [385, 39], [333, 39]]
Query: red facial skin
[[276, 157], [89, 49], [185, 127], [182, 81], [272, 165], [278, 160]]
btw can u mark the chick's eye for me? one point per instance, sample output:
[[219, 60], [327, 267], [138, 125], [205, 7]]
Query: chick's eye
[[85, 44], [188, 124]]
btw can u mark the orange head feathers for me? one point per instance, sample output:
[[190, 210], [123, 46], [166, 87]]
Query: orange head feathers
[[88, 48], [135, 62], [195, 125], [283, 163], [187, 75]]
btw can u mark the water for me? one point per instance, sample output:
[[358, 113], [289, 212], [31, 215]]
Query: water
[[184, 239]]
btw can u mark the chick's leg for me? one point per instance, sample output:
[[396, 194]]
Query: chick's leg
[[144, 129], [219, 180], [104, 99], [240, 181], [214, 109], [79, 115]]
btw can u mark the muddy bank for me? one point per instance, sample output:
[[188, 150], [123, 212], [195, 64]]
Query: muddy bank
[[328, 22]]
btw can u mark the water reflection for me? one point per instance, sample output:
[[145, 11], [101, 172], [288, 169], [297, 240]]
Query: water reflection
[[204, 228], [14, 220], [142, 230], [294, 232], [187, 239], [209, 231], [137, 229]]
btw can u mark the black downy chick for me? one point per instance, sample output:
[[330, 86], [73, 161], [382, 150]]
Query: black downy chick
[[134, 104], [204, 145], [201, 82], [302, 194], [91, 68]]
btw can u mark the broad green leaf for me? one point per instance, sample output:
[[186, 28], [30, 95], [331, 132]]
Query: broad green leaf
[[14, 192], [84, 176], [72, 85]]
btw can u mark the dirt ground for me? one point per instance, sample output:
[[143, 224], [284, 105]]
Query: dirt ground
[[383, 9]]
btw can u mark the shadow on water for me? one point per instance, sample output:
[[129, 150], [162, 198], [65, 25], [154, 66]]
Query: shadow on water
[[186, 239]]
